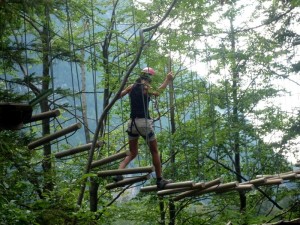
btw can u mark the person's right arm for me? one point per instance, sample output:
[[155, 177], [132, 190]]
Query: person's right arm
[[126, 91]]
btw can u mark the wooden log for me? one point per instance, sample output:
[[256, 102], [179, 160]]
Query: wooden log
[[216, 188], [109, 159], [200, 188], [199, 185], [146, 169], [219, 187], [244, 187], [257, 181], [127, 182], [264, 176], [76, 150], [54, 136], [44, 115], [289, 176], [285, 176], [273, 182], [168, 186], [289, 172], [172, 191]]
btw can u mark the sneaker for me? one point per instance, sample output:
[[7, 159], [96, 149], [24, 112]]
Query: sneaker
[[118, 178], [162, 183]]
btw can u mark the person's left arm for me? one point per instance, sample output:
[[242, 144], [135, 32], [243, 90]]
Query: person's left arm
[[163, 86]]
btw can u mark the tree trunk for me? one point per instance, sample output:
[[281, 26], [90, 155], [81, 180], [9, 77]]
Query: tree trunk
[[235, 125], [84, 103], [45, 37], [172, 209]]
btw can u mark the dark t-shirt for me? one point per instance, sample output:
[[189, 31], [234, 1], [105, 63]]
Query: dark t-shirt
[[139, 102]]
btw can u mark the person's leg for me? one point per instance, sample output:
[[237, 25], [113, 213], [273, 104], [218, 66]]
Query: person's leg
[[133, 148], [160, 182], [155, 157]]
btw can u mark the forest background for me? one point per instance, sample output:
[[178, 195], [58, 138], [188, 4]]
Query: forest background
[[222, 116]]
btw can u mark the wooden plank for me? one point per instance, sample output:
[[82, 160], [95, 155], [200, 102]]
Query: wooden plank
[[146, 169], [54, 136], [109, 159], [76, 150], [127, 182]]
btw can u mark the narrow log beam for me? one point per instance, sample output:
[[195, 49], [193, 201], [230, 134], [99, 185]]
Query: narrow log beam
[[244, 187], [109, 159], [172, 191], [290, 176], [200, 185], [127, 182], [200, 188], [76, 150], [147, 169], [44, 115], [54, 136], [257, 181], [182, 184], [220, 187], [285, 176], [273, 182]]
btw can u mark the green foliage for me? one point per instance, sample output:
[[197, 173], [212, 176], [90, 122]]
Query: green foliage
[[215, 135]]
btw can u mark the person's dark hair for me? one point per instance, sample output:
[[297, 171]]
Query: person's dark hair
[[144, 77]]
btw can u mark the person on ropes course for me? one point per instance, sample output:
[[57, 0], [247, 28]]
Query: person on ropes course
[[140, 123]]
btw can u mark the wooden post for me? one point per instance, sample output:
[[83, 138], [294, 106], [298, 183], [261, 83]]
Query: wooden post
[[127, 181], [169, 186], [105, 173], [109, 159], [54, 136], [76, 150], [44, 115]]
